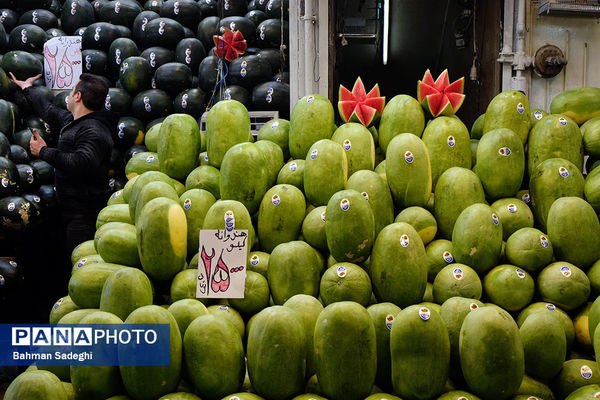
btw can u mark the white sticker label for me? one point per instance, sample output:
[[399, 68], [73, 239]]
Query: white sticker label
[[504, 151], [408, 157], [458, 274], [275, 199], [11, 206], [563, 172], [520, 108], [586, 372], [389, 320], [512, 208], [566, 271], [345, 204], [544, 241], [451, 141], [550, 307], [254, 260], [424, 313], [341, 271], [473, 306], [187, 204], [520, 273], [447, 256], [562, 121], [293, 166], [404, 240], [323, 216], [229, 220], [495, 219], [347, 145], [538, 115], [313, 154]]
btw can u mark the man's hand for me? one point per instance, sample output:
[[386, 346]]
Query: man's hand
[[26, 83], [36, 143]]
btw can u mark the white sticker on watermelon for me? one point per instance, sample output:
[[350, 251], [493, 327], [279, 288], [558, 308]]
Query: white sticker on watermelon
[[458, 274], [566, 271], [389, 320], [586, 372], [276, 199], [347, 145], [345, 204], [341, 271], [187, 204], [520, 108], [229, 220], [424, 313], [254, 260]]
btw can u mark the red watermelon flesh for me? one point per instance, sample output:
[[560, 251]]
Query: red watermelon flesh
[[440, 97], [358, 105]]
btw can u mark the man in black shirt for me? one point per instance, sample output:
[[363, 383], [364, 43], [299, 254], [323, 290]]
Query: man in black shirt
[[82, 156]]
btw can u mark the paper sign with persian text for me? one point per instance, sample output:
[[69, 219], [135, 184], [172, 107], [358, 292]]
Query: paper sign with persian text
[[222, 263], [62, 62]]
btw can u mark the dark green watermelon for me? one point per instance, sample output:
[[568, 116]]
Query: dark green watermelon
[[272, 96], [42, 18], [188, 33], [3, 39], [260, 4], [94, 61], [26, 5], [16, 213], [9, 177], [239, 93], [162, 32], [251, 5], [130, 131], [11, 278], [119, 50], [207, 75], [190, 101], [9, 18], [117, 183], [44, 171], [186, 12], [33, 121], [207, 28], [229, 8], [173, 78], [242, 24], [98, 4], [272, 57], [48, 195], [249, 71], [4, 146], [18, 154], [158, 56], [76, 14], [80, 31], [61, 99], [273, 9], [151, 104], [153, 5], [139, 24], [120, 12], [22, 64], [28, 179], [190, 52], [54, 32], [208, 8], [117, 161], [268, 33], [124, 31], [135, 75], [133, 150], [7, 118], [99, 36], [54, 8], [118, 101], [4, 84], [23, 137], [256, 16], [38, 204]]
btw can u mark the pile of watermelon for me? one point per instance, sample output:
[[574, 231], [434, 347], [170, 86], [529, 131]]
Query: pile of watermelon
[[159, 59], [400, 256]]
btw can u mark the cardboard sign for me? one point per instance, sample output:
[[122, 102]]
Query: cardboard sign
[[62, 62], [222, 263]]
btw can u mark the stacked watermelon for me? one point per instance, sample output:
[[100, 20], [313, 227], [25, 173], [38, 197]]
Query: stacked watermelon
[[388, 256], [158, 56]]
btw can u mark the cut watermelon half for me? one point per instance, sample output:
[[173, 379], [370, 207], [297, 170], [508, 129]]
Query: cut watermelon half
[[440, 97], [358, 105]]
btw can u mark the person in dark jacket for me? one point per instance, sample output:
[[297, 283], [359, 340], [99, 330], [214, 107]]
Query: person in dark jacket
[[82, 156]]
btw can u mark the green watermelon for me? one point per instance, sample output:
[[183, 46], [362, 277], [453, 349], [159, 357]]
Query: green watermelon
[[555, 136], [408, 170], [491, 353], [37, 384], [447, 140], [552, 179], [439, 254], [345, 282], [124, 291], [256, 295], [147, 382], [456, 189], [514, 214], [580, 104], [258, 261], [349, 226], [215, 217], [311, 120], [118, 245], [477, 238], [62, 307], [205, 177], [277, 131], [509, 109], [346, 351], [325, 171], [402, 114], [574, 230], [162, 238], [420, 219], [591, 189], [556, 312], [227, 124], [358, 143], [230, 314], [178, 145], [139, 184], [244, 175], [509, 287], [113, 213], [591, 137], [544, 345], [500, 150], [575, 373], [214, 356], [313, 228], [195, 203], [383, 315], [273, 159], [276, 353], [398, 244], [292, 173], [185, 311], [85, 287], [563, 284], [420, 351], [477, 127], [280, 216], [140, 163], [293, 269], [456, 280]]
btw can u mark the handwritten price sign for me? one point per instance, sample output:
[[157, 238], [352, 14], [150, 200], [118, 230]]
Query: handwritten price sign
[[222, 264], [62, 62]]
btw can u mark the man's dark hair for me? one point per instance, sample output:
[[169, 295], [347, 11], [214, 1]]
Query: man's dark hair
[[93, 89]]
